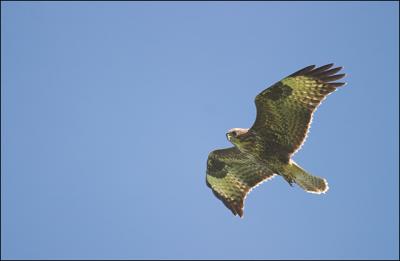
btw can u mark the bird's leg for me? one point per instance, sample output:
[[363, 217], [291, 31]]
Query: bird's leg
[[289, 179]]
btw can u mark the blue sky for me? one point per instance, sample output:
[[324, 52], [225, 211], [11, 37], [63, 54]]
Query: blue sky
[[109, 110]]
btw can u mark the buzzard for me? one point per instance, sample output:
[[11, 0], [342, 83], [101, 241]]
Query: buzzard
[[284, 115]]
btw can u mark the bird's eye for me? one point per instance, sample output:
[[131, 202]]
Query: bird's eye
[[234, 133]]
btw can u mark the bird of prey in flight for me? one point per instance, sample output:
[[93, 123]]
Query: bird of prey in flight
[[284, 115]]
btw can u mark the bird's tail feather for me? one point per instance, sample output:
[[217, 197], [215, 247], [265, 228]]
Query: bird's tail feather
[[307, 181]]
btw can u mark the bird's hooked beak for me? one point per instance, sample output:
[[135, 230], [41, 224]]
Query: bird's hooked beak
[[228, 136]]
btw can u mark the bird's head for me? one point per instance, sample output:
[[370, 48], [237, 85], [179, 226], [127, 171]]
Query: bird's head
[[236, 135]]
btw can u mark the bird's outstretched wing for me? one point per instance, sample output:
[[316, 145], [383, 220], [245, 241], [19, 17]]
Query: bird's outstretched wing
[[284, 110], [231, 176]]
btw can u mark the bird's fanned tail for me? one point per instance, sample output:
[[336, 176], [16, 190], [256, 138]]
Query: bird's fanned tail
[[306, 181]]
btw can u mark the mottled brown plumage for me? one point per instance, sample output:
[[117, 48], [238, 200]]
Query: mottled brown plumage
[[284, 114]]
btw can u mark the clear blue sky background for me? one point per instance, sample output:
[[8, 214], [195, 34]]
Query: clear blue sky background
[[109, 111]]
